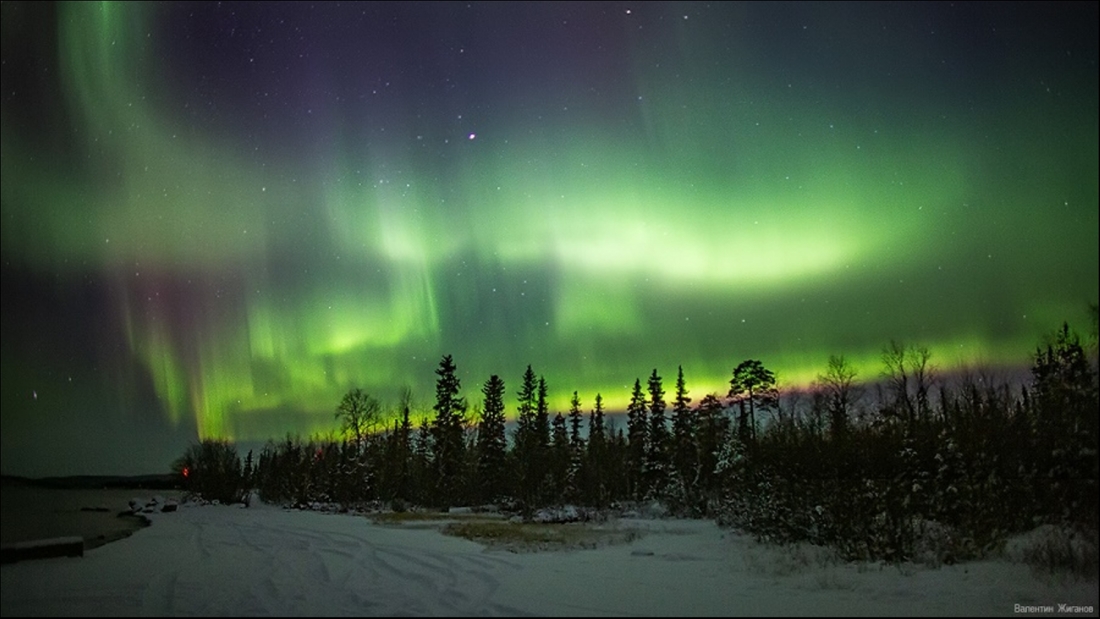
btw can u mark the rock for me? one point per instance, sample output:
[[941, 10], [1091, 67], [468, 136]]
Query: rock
[[568, 513]]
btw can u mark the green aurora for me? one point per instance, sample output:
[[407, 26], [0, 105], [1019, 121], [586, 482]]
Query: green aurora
[[664, 185]]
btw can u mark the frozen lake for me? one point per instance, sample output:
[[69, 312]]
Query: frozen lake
[[31, 513]]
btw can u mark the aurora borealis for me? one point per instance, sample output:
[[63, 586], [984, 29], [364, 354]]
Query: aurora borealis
[[219, 217]]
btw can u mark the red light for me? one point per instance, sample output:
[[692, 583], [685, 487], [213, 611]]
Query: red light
[[186, 472]]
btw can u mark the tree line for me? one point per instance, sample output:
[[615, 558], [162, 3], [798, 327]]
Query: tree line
[[874, 475]]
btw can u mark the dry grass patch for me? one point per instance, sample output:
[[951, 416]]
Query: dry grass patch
[[397, 518], [530, 536], [789, 559]]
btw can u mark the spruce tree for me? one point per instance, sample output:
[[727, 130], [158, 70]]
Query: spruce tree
[[596, 458], [525, 412], [559, 460], [618, 464], [390, 463], [596, 429], [491, 442], [525, 451], [637, 437], [421, 473], [576, 450], [1064, 396], [404, 451], [685, 459], [449, 433], [576, 442], [542, 415], [542, 444], [657, 452], [711, 430], [248, 477]]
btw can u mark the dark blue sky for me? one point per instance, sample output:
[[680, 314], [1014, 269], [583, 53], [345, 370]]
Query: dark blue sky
[[218, 217]]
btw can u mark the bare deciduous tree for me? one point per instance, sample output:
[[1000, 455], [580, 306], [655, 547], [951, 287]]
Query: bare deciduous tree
[[359, 414]]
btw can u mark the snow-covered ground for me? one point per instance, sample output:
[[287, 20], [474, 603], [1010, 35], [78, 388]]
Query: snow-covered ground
[[221, 560]]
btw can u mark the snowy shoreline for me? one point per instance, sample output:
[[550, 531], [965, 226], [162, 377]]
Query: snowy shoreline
[[269, 561]]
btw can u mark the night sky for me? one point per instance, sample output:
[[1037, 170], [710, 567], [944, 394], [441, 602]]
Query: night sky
[[219, 217]]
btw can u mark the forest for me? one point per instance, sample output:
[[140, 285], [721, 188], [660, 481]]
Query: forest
[[908, 465]]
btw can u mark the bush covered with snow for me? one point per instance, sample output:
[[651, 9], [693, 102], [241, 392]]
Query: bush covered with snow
[[1057, 549], [947, 488]]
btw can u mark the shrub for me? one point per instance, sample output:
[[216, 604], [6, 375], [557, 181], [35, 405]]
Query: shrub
[[1057, 550], [212, 470]]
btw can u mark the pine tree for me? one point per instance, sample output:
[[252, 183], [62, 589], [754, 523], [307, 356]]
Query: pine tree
[[491, 442], [657, 452], [637, 437], [754, 385]]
